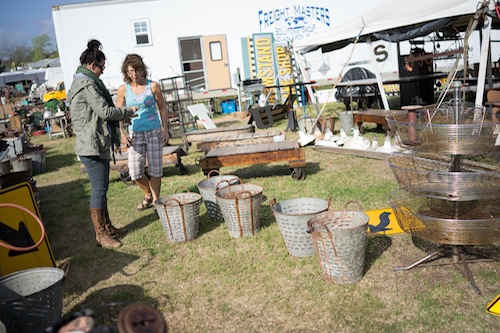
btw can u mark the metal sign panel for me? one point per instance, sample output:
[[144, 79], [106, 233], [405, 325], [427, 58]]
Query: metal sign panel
[[383, 221], [494, 306], [20, 229]]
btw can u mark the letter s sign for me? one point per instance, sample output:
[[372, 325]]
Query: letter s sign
[[380, 53]]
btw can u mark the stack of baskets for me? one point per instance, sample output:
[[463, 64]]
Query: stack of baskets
[[180, 215], [240, 205], [292, 216], [340, 241], [207, 188]]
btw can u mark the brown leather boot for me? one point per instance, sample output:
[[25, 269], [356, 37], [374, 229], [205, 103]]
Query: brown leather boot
[[110, 228], [101, 235]]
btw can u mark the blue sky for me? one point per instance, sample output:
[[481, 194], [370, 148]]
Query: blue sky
[[21, 20]]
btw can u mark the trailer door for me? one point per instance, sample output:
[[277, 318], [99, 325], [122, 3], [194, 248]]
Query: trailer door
[[216, 62]]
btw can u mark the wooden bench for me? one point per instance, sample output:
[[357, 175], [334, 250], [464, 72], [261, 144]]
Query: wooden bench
[[263, 153], [236, 140], [376, 116], [199, 135], [171, 155]]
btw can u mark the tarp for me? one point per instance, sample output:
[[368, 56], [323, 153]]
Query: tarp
[[392, 20]]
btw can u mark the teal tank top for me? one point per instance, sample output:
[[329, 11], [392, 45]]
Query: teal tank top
[[147, 115]]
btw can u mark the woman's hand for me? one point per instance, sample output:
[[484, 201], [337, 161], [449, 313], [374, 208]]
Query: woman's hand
[[166, 137]]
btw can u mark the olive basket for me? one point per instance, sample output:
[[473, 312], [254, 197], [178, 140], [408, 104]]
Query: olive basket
[[207, 188], [180, 215], [241, 205], [292, 216], [340, 241], [32, 299]]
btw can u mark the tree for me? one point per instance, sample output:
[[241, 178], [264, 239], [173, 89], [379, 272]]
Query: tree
[[40, 43], [14, 52]]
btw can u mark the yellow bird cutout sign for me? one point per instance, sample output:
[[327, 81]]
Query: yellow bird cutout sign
[[382, 222]]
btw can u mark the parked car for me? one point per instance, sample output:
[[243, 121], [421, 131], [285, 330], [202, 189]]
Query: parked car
[[58, 94]]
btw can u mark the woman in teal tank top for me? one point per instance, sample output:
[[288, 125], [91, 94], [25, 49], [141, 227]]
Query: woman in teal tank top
[[148, 132]]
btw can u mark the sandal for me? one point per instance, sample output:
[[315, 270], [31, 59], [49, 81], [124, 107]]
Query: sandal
[[145, 204]]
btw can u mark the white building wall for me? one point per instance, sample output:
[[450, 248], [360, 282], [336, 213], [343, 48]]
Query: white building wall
[[110, 22]]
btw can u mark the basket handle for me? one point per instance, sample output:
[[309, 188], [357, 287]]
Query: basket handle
[[42, 229], [272, 202], [238, 211], [182, 187], [213, 171], [182, 216], [353, 202]]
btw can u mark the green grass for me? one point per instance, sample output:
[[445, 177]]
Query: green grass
[[219, 284]]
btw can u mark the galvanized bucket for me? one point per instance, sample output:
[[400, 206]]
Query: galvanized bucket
[[340, 240], [180, 215], [31, 300], [240, 205], [207, 188], [292, 216]]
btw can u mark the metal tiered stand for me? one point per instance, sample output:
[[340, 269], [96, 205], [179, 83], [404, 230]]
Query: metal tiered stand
[[445, 198]]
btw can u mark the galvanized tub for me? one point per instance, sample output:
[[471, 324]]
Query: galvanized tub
[[292, 216], [180, 215], [240, 205], [207, 188], [340, 241], [33, 300]]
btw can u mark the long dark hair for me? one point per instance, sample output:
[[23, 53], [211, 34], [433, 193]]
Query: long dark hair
[[93, 53]]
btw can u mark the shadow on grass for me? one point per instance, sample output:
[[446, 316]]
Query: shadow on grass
[[265, 170], [57, 161], [107, 303], [375, 247]]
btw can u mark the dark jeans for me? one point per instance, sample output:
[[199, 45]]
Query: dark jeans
[[98, 171]]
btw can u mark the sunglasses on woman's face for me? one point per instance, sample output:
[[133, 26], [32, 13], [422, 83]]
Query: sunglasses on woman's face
[[102, 67]]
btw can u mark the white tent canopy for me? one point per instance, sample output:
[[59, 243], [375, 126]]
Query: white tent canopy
[[400, 20], [392, 17]]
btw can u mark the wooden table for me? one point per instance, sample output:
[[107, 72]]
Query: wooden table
[[289, 151], [376, 116], [242, 139], [171, 155]]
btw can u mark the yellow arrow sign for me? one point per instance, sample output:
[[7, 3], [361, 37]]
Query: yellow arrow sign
[[20, 230], [494, 306]]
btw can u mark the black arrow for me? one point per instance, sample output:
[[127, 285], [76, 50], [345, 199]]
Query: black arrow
[[18, 238]]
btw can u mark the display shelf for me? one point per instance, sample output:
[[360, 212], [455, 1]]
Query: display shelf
[[178, 96]]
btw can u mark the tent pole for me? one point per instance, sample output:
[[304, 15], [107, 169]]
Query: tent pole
[[481, 76]]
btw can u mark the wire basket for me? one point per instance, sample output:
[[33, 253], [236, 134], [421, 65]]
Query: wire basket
[[433, 178], [180, 215], [447, 222], [453, 128], [31, 300], [240, 205], [207, 188], [292, 216], [340, 241]]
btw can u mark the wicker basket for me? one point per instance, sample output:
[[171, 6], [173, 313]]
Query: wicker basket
[[292, 216], [447, 222], [433, 178], [180, 215], [31, 300], [240, 205], [340, 241], [442, 131], [207, 188]]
